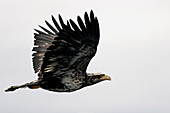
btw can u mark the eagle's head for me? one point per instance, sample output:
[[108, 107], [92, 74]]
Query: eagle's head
[[94, 78]]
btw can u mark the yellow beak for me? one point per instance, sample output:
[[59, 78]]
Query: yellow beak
[[106, 77]]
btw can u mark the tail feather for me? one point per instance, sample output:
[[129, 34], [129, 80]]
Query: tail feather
[[13, 88], [31, 85]]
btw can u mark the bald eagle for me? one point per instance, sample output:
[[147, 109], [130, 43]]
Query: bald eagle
[[62, 54]]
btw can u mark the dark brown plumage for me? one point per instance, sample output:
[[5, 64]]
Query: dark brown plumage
[[62, 55]]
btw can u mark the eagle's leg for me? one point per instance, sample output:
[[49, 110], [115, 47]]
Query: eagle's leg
[[31, 85]]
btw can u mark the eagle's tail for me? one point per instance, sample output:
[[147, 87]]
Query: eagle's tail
[[31, 85]]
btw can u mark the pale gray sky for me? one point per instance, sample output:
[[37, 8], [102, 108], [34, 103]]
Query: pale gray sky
[[134, 50]]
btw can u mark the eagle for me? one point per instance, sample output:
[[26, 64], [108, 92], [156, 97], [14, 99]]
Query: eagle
[[62, 53]]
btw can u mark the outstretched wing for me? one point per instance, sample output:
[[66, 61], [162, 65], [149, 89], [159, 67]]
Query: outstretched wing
[[70, 46]]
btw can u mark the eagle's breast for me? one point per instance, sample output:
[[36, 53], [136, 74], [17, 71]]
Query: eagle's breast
[[73, 80], [70, 80]]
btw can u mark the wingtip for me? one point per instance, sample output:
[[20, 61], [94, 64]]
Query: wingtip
[[46, 21], [91, 15], [68, 24], [70, 20], [52, 17], [35, 30], [91, 11], [78, 17], [85, 13], [40, 26], [59, 16]]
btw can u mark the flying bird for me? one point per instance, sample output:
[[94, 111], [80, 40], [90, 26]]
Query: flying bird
[[62, 54]]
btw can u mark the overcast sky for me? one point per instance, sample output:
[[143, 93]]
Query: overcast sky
[[134, 50]]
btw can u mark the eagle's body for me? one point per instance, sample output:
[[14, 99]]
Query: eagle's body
[[62, 55]]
